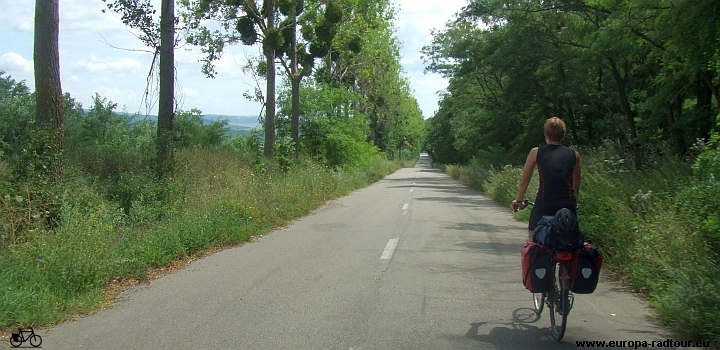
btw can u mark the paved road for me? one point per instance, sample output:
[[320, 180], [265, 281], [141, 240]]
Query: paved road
[[415, 261]]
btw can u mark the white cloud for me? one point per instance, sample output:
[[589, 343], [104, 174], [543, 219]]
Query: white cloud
[[12, 61], [426, 88], [414, 22], [408, 61], [230, 64], [109, 65], [189, 92], [18, 14]]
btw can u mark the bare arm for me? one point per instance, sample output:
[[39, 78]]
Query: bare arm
[[576, 175]]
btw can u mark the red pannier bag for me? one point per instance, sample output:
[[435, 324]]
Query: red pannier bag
[[585, 269], [536, 267]]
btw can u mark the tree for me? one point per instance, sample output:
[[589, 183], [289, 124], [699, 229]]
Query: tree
[[608, 68], [365, 59], [166, 112], [138, 14], [243, 21], [318, 32], [50, 112]]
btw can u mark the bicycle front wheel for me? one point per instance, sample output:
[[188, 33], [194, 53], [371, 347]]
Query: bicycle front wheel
[[559, 305], [35, 340], [538, 302]]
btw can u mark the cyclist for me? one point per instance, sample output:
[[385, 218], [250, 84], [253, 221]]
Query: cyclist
[[559, 169]]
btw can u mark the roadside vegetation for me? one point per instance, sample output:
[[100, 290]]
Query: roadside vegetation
[[117, 221], [657, 228], [637, 84], [92, 198]]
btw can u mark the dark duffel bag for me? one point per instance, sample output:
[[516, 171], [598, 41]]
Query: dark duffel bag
[[585, 269], [536, 267], [559, 232]]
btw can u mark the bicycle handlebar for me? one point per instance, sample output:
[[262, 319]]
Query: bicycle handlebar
[[526, 201]]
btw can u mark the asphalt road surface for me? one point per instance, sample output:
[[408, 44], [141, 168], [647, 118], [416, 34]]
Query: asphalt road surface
[[415, 261]]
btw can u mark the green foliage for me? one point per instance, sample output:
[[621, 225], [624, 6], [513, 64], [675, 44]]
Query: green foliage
[[318, 49], [29, 198], [284, 152], [274, 38], [707, 164], [440, 142], [622, 70], [286, 7], [332, 131], [217, 198], [17, 116], [333, 12], [190, 131], [337, 142], [246, 28], [325, 31], [355, 45], [635, 93], [703, 218]]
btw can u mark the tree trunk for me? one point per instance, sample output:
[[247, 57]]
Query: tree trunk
[[573, 125], [166, 106], [295, 122], [704, 94], [295, 83], [46, 59], [627, 112], [270, 78], [706, 78], [624, 101], [676, 134]]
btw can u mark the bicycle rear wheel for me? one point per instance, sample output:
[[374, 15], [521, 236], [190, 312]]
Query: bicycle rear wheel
[[539, 302], [14, 343], [559, 306]]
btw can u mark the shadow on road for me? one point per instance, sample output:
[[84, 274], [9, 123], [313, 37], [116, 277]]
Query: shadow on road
[[523, 332], [483, 227], [449, 190], [495, 248]]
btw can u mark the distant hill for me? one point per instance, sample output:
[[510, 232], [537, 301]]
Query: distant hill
[[248, 121], [237, 125]]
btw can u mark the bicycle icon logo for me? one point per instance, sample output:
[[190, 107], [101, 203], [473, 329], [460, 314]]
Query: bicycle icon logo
[[25, 335]]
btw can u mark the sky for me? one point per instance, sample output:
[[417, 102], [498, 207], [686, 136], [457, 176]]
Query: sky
[[98, 54]]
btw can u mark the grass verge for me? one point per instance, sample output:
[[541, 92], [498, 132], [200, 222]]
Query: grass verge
[[217, 199]]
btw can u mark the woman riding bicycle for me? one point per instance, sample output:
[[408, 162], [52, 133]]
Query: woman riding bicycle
[[559, 169]]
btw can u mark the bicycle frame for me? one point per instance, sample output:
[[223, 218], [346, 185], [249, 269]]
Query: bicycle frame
[[564, 258], [560, 299], [20, 337]]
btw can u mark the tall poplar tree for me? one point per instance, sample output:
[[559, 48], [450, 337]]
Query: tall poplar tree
[[46, 59]]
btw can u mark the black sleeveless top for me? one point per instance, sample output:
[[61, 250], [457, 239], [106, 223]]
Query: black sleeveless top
[[555, 165]]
